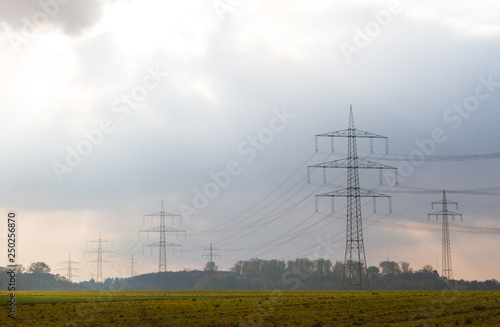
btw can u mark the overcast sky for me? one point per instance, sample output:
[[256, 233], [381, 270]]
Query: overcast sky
[[109, 107]]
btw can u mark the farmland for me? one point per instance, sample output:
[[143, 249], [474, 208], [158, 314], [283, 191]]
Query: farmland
[[254, 308]]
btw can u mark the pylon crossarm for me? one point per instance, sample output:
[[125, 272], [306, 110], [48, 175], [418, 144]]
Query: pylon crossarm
[[346, 163], [353, 133], [356, 132], [352, 192], [369, 193], [162, 213], [349, 192], [444, 203], [169, 244], [100, 251], [442, 214], [164, 229], [445, 212]]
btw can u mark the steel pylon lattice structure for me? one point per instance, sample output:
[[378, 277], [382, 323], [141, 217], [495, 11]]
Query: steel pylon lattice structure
[[132, 263], [355, 270], [100, 251], [70, 268], [446, 248], [163, 230], [211, 255]]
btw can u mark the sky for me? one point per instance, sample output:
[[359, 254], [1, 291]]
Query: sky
[[108, 108]]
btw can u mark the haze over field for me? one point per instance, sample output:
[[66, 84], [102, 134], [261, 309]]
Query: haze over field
[[109, 107]]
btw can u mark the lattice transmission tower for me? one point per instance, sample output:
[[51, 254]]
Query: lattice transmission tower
[[70, 268], [212, 253], [102, 248], [132, 263], [355, 271], [446, 248], [163, 230]]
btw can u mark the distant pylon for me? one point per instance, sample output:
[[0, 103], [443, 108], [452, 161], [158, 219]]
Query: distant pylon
[[100, 251], [446, 248], [132, 263], [163, 230], [355, 270], [70, 268], [211, 255]]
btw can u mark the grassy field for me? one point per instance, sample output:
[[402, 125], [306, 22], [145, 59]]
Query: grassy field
[[254, 308]]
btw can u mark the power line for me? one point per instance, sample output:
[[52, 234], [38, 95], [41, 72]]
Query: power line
[[493, 191], [417, 102], [227, 225], [464, 157]]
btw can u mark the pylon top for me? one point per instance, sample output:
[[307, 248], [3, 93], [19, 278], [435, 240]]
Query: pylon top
[[163, 213], [352, 131], [351, 119], [445, 212], [444, 201]]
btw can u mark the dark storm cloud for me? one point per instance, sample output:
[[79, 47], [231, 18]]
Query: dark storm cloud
[[71, 16]]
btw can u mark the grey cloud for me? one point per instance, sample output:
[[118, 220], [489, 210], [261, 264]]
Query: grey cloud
[[71, 16]]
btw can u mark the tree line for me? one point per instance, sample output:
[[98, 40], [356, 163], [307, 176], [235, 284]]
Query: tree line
[[253, 274]]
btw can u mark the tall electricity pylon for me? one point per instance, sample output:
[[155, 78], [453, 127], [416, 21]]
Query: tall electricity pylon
[[132, 262], [446, 248], [163, 230], [210, 256], [355, 270], [70, 268], [100, 251]]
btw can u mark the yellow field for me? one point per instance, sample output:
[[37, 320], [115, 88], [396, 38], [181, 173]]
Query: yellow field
[[254, 308]]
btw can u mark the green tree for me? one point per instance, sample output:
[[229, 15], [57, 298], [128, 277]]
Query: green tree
[[372, 271], [405, 267], [39, 268], [238, 268], [323, 267], [211, 267], [390, 268]]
